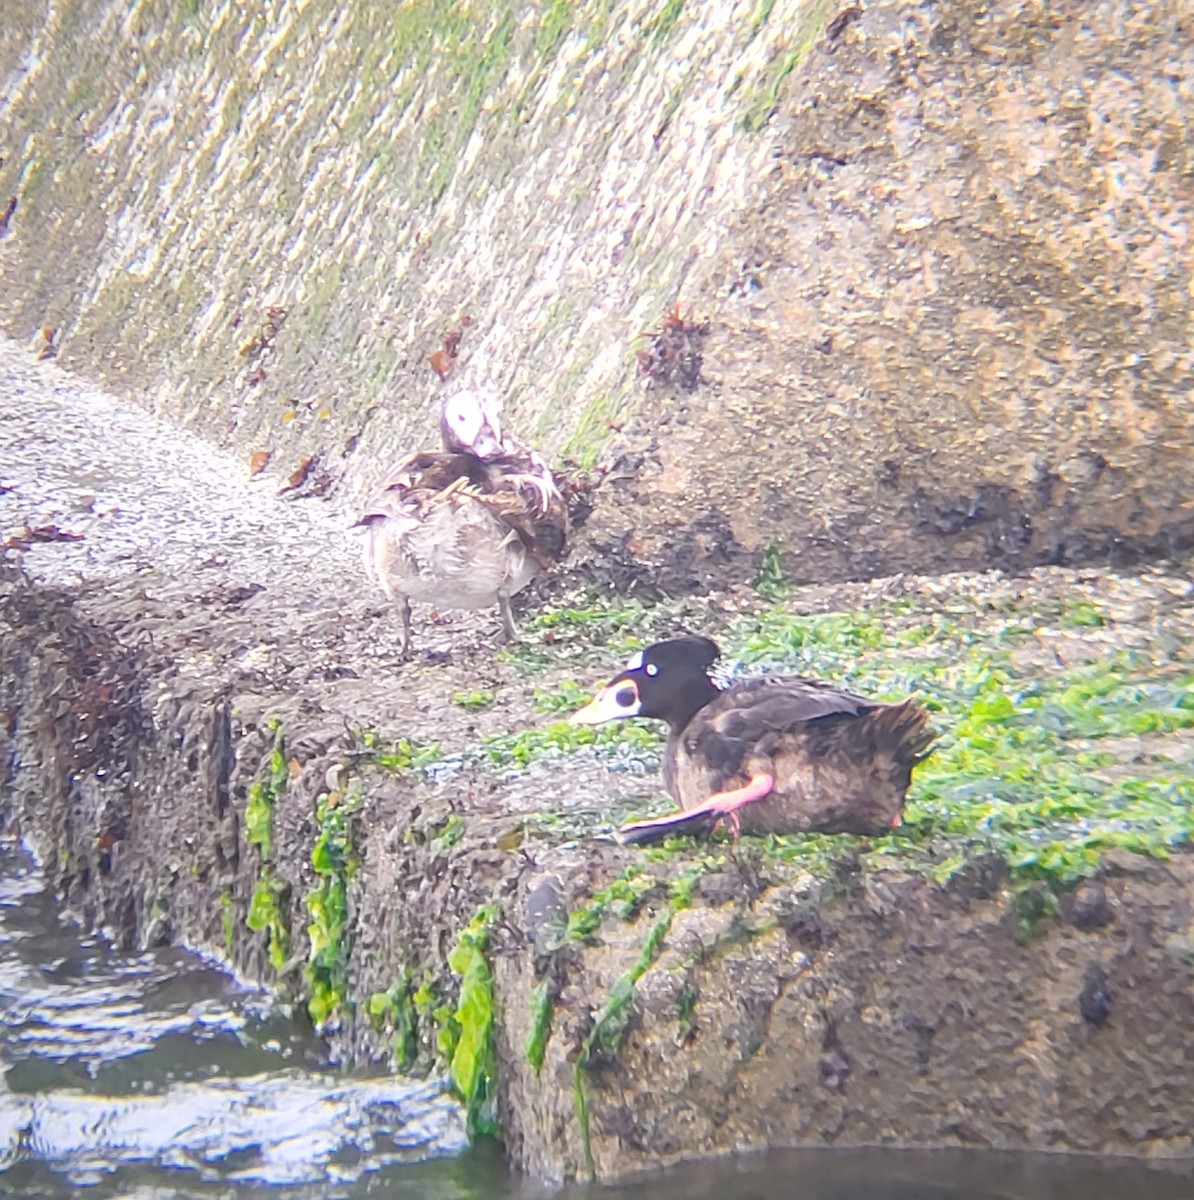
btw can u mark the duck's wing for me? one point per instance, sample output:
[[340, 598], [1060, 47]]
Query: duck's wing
[[779, 703], [418, 481], [433, 471], [530, 503], [754, 716]]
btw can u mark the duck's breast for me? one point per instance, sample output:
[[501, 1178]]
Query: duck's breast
[[457, 555]]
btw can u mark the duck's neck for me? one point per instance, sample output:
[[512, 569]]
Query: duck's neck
[[695, 698]]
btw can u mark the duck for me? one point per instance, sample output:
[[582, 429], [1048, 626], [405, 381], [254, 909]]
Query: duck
[[468, 526], [771, 754]]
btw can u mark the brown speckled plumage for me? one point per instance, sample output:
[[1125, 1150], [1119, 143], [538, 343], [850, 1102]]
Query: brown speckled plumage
[[467, 527]]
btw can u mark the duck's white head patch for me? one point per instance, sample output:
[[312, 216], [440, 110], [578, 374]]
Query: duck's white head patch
[[636, 662], [471, 422]]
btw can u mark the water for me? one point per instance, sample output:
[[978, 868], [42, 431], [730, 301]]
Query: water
[[154, 1076], [133, 1073]]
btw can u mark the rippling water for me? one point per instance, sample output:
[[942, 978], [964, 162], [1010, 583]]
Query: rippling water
[[147, 1071], [155, 1076]]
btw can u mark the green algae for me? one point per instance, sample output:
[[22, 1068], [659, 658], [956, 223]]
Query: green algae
[[664, 21], [1022, 766], [395, 1010], [561, 739], [473, 702], [399, 754], [265, 916], [265, 913], [762, 99], [264, 794], [1048, 764], [566, 697], [554, 23], [621, 898], [772, 582], [613, 1017], [333, 861], [466, 1034], [541, 1008], [446, 834]]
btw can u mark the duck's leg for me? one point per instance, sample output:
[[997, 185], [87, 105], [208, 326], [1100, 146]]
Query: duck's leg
[[705, 816], [404, 610], [508, 626]]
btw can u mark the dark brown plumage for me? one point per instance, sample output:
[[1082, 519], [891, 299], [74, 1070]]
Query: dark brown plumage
[[773, 754]]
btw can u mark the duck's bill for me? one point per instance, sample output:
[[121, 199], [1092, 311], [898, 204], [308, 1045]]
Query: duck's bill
[[486, 446], [594, 713]]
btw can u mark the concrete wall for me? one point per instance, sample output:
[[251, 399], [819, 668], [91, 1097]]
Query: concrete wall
[[942, 251]]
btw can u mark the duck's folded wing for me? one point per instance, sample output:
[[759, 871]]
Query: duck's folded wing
[[752, 709], [432, 471], [544, 532]]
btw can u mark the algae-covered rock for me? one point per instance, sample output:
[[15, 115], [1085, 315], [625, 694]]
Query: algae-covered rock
[[222, 748]]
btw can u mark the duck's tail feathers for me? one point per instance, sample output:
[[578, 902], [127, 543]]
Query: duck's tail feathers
[[903, 731]]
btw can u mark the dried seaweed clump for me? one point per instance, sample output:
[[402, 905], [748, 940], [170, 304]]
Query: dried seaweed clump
[[674, 351]]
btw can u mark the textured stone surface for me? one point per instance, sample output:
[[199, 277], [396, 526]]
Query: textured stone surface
[[943, 253]]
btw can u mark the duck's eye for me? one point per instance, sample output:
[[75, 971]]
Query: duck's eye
[[652, 669], [625, 697]]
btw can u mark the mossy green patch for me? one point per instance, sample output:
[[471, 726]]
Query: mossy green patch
[[447, 834], [1026, 764], [1084, 614], [473, 702], [621, 898], [593, 427], [566, 697], [772, 580], [469, 50], [327, 904], [401, 754], [594, 629], [536, 1048], [664, 21], [560, 738], [554, 20], [466, 1035], [265, 913], [806, 30], [263, 793], [611, 1020], [265, 916], [1053, 746], [395, 1010]]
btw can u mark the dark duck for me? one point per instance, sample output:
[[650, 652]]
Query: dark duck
[[769, 754], [469, 526]]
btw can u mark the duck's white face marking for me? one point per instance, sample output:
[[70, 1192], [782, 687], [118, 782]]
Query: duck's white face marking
[[473, 423], [636, 662], [618, 700]]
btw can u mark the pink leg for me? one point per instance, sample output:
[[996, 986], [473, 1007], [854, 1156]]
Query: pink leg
[[720, 804], [727, 804]]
